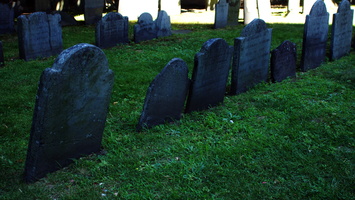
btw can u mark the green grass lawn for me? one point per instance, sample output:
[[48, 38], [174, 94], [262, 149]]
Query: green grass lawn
[[290, 140]]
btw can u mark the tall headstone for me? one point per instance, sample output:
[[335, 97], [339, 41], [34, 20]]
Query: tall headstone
[[111, 30], [166, 95], [93, 11], [283, 61], [6, 19], [342, 30], [221, 14], [264, 9], [210, 74], [134, 8], [172, 7], [2, 60], [39, 35], [315, 37], [163, 24], [250, 11], [145, 29], [233, 12], [251, 56], [70, 110]]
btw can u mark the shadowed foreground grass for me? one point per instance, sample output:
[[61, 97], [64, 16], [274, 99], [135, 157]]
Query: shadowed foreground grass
[[290, 140]]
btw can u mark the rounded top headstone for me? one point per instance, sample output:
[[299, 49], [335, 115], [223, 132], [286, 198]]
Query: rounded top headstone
[[113, 15], [318, 9], [256, 26], [213, 42], [145, 18], [344, 5]]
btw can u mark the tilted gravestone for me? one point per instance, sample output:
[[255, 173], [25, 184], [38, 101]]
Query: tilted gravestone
[[251, 57], [2, 60], [233, 12], [283, 61], [163, 24], [93, 11], [342, 30], [145, 29], [39, 35], [70, 111], [166, 95], [315, 37], [6, 19], [111, 30], [221, 14], [210, 74]]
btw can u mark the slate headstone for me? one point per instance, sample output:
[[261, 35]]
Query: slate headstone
[[172, 7], [166, 95], [93, 11], [283, 61], [342, 30], [251, 56], [221, 14], [2, 60], [163, 24], [39, 35], [70, 110], [233, 12], [6, 19], [111, 30], [210, 74], [315, 37], [145, 29]]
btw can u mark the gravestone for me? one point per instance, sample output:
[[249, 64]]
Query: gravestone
[[93, 11], [233, 12], [342, 30], [166, 95], [283, 61], [251, 56], [221, 14], [315, 37], [6, 19], [210, 74], [172, 7], [134, 8], [250, 11], [2, 60], [70, 111], [163, 24], [111, 30], [145, 29], [39, 35]]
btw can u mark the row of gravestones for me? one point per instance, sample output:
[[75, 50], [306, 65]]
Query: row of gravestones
[[73, 96]]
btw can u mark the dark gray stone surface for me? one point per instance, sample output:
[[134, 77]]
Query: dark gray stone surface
[[315, 37], [283, 61], [111, 30], [233, 12], [210, 74], [342, 30], [221, 14], [145, 29], [251, 57], [6, 19], [66, 19], [163, 24], [166, 95], [93, 11], [70, 111], [39, 35], [2, 60]]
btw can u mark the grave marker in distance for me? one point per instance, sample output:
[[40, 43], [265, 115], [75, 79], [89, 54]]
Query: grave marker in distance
[[145, 29], [221, 14], [233, 12], [70, 111], [93, 11], [6, 19], [283, 61], [163, 24]]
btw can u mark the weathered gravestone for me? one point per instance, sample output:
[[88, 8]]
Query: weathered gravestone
[[342, 30], [166, 95], [251, 56], [2, 60], [70, 111], [163, 24], [6, 19], [283, 61], [172, 7], [145, 29], [315, 37], [39, 35], [111, 30], [221, 14], [210, 74], [233, 12], [93, 11]]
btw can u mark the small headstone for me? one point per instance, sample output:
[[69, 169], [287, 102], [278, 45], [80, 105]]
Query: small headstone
[[93, 11], [251, 56], [221, 14], [315, 37], [172, 7], [39, 35], [145, 29], [210, 74], [111, 30], [70, 111], [6, 19], [2, 60], [163, 24], [166, 95], [342, 30], [233, 12], [250, 11], [283, 61]]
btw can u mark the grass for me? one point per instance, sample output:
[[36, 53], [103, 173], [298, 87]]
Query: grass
[[290, 140]]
